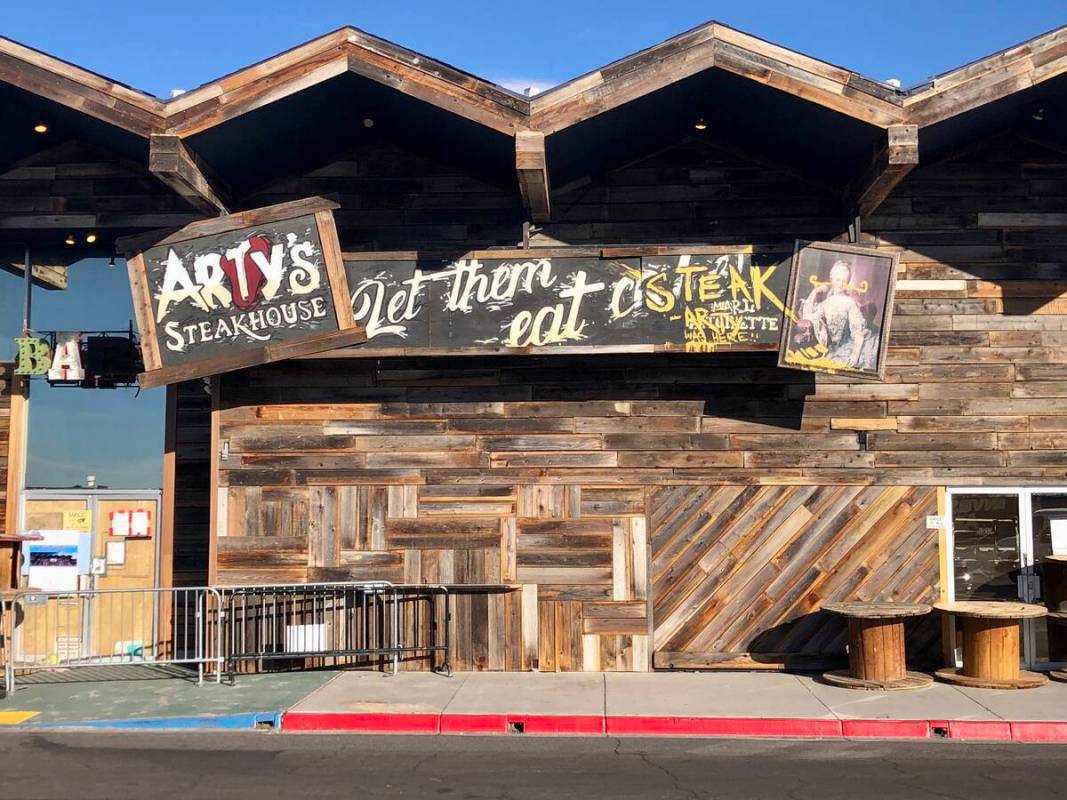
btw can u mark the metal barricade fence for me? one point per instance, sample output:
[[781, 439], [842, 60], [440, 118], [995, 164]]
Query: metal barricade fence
[[320, 622], [56, 631], [215, 628]]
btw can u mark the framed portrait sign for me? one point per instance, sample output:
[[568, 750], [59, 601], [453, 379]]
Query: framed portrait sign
[[239, 290], [838, 310]]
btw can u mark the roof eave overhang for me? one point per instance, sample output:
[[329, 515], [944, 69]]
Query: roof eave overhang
[[716, 46], [346, 50], [80, 89], [989, 79]]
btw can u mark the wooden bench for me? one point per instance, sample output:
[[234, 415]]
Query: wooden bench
[[876, 646], [991, 645]]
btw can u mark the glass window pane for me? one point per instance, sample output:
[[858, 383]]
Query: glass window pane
[[986, 546]]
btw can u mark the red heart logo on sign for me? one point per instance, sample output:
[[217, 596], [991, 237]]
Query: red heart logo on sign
[[246, 279]]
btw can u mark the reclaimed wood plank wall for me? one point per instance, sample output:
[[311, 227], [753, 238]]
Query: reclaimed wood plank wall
[[541, 472], [74, 186]]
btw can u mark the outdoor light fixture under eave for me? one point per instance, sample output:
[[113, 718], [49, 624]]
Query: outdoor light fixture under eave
[[40, 127], [90, 238], [701, 124], [69, 240]]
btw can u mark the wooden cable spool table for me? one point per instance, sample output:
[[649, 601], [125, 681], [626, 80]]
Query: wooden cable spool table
[[876, 646], [991, 645], [1054, 577]]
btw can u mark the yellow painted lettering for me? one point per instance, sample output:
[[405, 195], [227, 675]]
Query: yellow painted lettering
[[658, 298]]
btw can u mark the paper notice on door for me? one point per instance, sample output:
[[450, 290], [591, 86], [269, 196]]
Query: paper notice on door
[[1059, 536]]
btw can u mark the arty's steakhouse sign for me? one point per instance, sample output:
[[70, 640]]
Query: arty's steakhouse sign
[[245, 294], [240, 289]]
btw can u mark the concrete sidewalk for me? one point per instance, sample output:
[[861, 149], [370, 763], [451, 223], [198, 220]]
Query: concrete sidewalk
[[726, 703], [154, 698], [591, 704]]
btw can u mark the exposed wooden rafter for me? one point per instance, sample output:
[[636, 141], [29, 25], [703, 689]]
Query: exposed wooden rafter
[[44, 276], [532, 170], [170, 160], [898, 156]]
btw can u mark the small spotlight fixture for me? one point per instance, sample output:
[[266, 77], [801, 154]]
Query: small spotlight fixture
[[40, 127], [701, 124], [69, 240], [90, 238], [368, 122], [1038, 115]]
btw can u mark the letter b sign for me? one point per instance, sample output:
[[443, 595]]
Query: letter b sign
[[34, 356]]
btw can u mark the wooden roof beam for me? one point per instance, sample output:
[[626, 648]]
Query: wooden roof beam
[[896, 158], [45, 277], [532, 168], [170, 160]]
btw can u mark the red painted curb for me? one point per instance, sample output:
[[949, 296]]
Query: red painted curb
[[886, 728], [474, 723], [542, 725], [721, 726], [590, 725], [365, 723], [987, 730], [1039, 731]]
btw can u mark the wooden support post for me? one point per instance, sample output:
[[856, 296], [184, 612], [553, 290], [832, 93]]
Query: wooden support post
[[532, 169], [896, 158], [166, 521], [215, 382], [184, 172], [18, 434]]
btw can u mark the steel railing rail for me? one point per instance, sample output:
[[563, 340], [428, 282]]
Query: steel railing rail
[[58, 631], [339, 620], [214, 628]]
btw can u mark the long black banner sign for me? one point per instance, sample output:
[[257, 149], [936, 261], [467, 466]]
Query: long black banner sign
[[688, 303]]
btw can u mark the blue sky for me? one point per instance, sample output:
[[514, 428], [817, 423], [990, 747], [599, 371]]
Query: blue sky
[[158, 47]]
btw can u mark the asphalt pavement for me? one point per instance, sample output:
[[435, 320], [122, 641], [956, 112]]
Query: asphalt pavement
[[263, 766]]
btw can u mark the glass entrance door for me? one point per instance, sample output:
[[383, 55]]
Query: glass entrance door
[[998, 537], [1048, 515]]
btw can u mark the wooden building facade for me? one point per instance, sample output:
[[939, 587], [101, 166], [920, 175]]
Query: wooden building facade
[[648, 507]]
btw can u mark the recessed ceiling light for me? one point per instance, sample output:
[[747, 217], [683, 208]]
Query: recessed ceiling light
[[368, 122], [700, 124], [69, 239], [40, 127], [90, 237]]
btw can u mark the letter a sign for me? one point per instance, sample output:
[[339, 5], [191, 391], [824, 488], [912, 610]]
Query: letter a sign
[[240, 290]]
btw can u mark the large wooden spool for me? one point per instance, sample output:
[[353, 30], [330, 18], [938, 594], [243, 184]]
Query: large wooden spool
[[991, 645], [876, 656]]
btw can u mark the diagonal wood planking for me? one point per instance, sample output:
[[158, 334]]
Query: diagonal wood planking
[[743, 570]]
